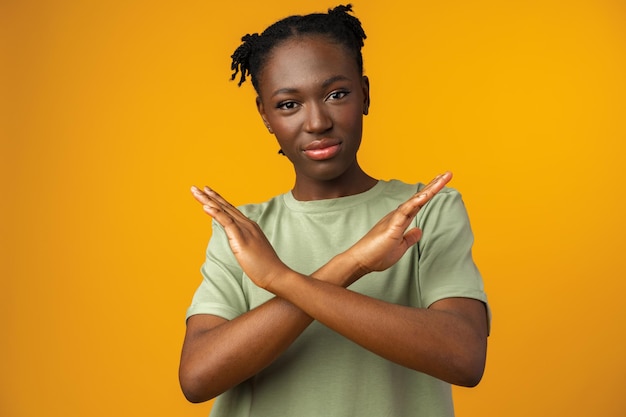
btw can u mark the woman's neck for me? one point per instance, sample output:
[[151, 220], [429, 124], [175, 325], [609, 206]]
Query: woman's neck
[[356, 182]]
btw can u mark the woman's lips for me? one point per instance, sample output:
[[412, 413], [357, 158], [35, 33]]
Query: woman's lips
[[322, 149]]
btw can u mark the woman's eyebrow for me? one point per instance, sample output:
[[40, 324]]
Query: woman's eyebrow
[[334, 79], [284, 91], [326, 83]]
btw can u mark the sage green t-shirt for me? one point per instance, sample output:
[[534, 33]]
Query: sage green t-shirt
[[323, 374]]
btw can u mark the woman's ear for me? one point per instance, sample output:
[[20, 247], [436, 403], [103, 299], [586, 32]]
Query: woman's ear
[[366, 95], [261, 110]]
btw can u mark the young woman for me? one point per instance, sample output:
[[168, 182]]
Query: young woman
[[347, 296]]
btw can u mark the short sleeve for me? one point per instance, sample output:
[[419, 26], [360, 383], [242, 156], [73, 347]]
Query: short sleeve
[[220, 293], [446, 267]]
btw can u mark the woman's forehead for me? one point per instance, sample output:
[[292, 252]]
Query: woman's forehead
[[307, 58]]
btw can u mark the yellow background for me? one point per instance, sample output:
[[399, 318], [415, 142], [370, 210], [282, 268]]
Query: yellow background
[[111, 110]]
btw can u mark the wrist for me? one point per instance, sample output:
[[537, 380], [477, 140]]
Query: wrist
[[277, 283], [347, 269]]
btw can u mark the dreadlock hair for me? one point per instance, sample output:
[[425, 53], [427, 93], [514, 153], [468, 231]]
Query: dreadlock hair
[[337, 24]]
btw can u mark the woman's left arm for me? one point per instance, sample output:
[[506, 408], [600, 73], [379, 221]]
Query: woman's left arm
[[448, 340]]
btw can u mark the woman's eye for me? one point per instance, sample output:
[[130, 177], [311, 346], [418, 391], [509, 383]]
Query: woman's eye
[[337, 95], [286, 105]]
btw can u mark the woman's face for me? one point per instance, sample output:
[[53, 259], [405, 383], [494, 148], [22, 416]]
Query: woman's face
[[313, 97]]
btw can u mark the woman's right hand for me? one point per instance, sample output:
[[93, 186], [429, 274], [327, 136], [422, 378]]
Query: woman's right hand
[[389, 239], [253, 251]]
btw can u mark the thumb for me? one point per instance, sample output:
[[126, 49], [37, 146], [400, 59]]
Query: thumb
[[412, 236]]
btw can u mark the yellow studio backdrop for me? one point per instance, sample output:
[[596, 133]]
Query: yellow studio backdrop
[[111, 110]]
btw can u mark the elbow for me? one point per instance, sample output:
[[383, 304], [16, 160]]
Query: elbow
[[192, 387], [193, 396], [469, 370], [464, 376], [470, 378], [462, 370]]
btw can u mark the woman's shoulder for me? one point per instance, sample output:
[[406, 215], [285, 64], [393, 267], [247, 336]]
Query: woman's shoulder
[[255, 211], [405, 190]]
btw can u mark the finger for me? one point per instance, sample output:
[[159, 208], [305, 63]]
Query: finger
[[208, 202], [412, 206], [412, 237], [223, 204], [199, 195], [433, 187], [233, 229], [220, 216], [208, 196], [437, 183], [233, 220], [216, 196]]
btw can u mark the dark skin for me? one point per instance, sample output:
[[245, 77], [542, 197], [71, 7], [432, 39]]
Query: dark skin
[[313, 98], [308, 101]]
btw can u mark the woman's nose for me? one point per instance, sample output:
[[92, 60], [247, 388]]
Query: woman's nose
[[317, 119]]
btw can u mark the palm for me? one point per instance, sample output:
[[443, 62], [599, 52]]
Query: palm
[[389, 239], [253, 251]]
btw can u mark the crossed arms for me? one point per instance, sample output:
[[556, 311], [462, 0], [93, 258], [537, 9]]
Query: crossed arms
[[448, 340]]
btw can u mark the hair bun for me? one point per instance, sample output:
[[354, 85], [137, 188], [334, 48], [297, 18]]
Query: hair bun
[[241, 56], [339, 10], [341, 14]]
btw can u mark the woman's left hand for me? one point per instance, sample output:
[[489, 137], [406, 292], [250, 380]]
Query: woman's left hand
[[389, 239], [253, 251]]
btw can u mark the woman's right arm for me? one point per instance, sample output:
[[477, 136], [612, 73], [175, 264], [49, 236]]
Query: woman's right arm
[[218, 354]]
